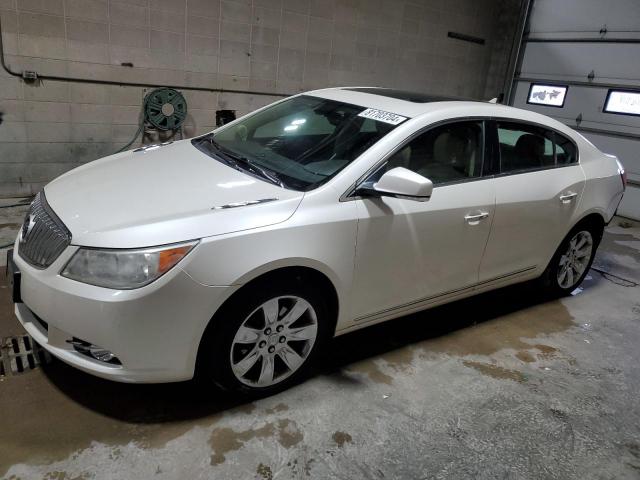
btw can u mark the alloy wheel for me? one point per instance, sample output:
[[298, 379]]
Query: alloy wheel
[[575, 260], [274, 341]]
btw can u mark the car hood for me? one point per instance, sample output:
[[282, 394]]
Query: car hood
[[161, 195]]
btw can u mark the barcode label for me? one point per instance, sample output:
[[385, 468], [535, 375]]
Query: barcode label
[[382, 116]]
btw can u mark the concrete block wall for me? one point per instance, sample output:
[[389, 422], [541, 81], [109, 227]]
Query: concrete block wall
[[280, 46]]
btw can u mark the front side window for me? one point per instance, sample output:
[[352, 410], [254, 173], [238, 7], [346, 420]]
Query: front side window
[[301, 142], [445, 154], [524, 147]]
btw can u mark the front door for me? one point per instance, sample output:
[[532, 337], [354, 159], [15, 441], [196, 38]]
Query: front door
[[410, 251]]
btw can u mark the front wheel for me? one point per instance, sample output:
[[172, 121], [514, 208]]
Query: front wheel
[[266, 340], [572, 260]]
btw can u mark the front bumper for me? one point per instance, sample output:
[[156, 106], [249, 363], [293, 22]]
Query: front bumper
[[154, 331]]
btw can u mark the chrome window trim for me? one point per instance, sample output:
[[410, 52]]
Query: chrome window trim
[[348, 195], [533, 170]]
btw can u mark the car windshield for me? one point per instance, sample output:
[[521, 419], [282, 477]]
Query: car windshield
[[299, 143]]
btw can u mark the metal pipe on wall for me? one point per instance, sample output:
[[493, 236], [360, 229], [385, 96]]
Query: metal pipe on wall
[[34, 76]]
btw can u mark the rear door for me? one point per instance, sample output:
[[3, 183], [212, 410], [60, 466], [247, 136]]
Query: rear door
[[538, 186]]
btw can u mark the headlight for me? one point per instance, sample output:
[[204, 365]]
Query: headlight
[[124, 269]]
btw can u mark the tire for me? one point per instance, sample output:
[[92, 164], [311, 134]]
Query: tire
[[571, 262], [245, 339]]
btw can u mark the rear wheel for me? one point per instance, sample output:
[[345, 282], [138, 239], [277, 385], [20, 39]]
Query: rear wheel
[[574, 262], [571, 262], [266, 340]]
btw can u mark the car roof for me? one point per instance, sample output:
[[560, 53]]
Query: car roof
[[408, 104], [414, 97], [412, 104]]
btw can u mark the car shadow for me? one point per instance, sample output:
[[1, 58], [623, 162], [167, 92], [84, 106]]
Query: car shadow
[[146, 404], [431, 324]]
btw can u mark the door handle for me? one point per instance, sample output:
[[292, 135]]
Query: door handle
[[567, 197], [475, 219]]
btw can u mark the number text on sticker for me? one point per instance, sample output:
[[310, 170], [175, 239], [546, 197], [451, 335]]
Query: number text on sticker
[[382, 116]]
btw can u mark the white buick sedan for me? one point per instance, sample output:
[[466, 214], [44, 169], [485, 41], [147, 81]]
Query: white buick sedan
[[237, 255]]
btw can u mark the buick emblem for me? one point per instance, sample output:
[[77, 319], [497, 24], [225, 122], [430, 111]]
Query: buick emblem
[[28, 225]]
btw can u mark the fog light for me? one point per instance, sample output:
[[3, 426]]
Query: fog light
[[101, 354], [94, 351]]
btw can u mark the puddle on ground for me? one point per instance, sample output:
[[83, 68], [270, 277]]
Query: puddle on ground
[[400, 359], [496, 371], [372, 370], [546, 352], [502, 323], [225, 440], [62, 411], [525, 356], [297, 468], [265, 471], [12, 226], [288, 433], [62, 475], [341, 438], [509, 331], [619, 253], [632, 244], [629, 230], [281, 407], [623, 245]]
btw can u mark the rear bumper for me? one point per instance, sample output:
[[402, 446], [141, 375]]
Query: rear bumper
[[154, 331]]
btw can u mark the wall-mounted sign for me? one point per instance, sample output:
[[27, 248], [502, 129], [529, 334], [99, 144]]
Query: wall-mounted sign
[[549, 95], [625, 102]]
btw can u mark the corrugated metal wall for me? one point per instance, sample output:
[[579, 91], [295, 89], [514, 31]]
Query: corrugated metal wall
[[591, 46]]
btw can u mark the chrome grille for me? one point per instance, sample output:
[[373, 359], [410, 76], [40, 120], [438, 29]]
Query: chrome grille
[[43, 236]]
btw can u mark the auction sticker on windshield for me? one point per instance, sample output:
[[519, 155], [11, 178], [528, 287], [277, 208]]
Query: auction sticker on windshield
[[382, 116]]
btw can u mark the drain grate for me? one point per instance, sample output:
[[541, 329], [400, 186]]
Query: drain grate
[[20, 355]]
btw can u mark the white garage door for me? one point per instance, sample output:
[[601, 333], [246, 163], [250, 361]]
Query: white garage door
[[591, 47]]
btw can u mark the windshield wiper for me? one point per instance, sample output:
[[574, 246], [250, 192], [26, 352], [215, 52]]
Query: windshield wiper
[[246, 163], [320, 174], [255, 168]]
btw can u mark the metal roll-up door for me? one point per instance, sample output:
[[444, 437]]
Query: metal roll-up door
[[591, 47]]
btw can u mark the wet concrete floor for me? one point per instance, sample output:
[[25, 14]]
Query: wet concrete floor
[[503, 385]]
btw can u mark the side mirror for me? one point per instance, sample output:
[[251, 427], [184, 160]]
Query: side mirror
[[402, 183]]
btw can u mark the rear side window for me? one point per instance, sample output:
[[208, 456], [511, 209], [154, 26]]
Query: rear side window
[[524, 147], [565, 150], [528, 147]]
